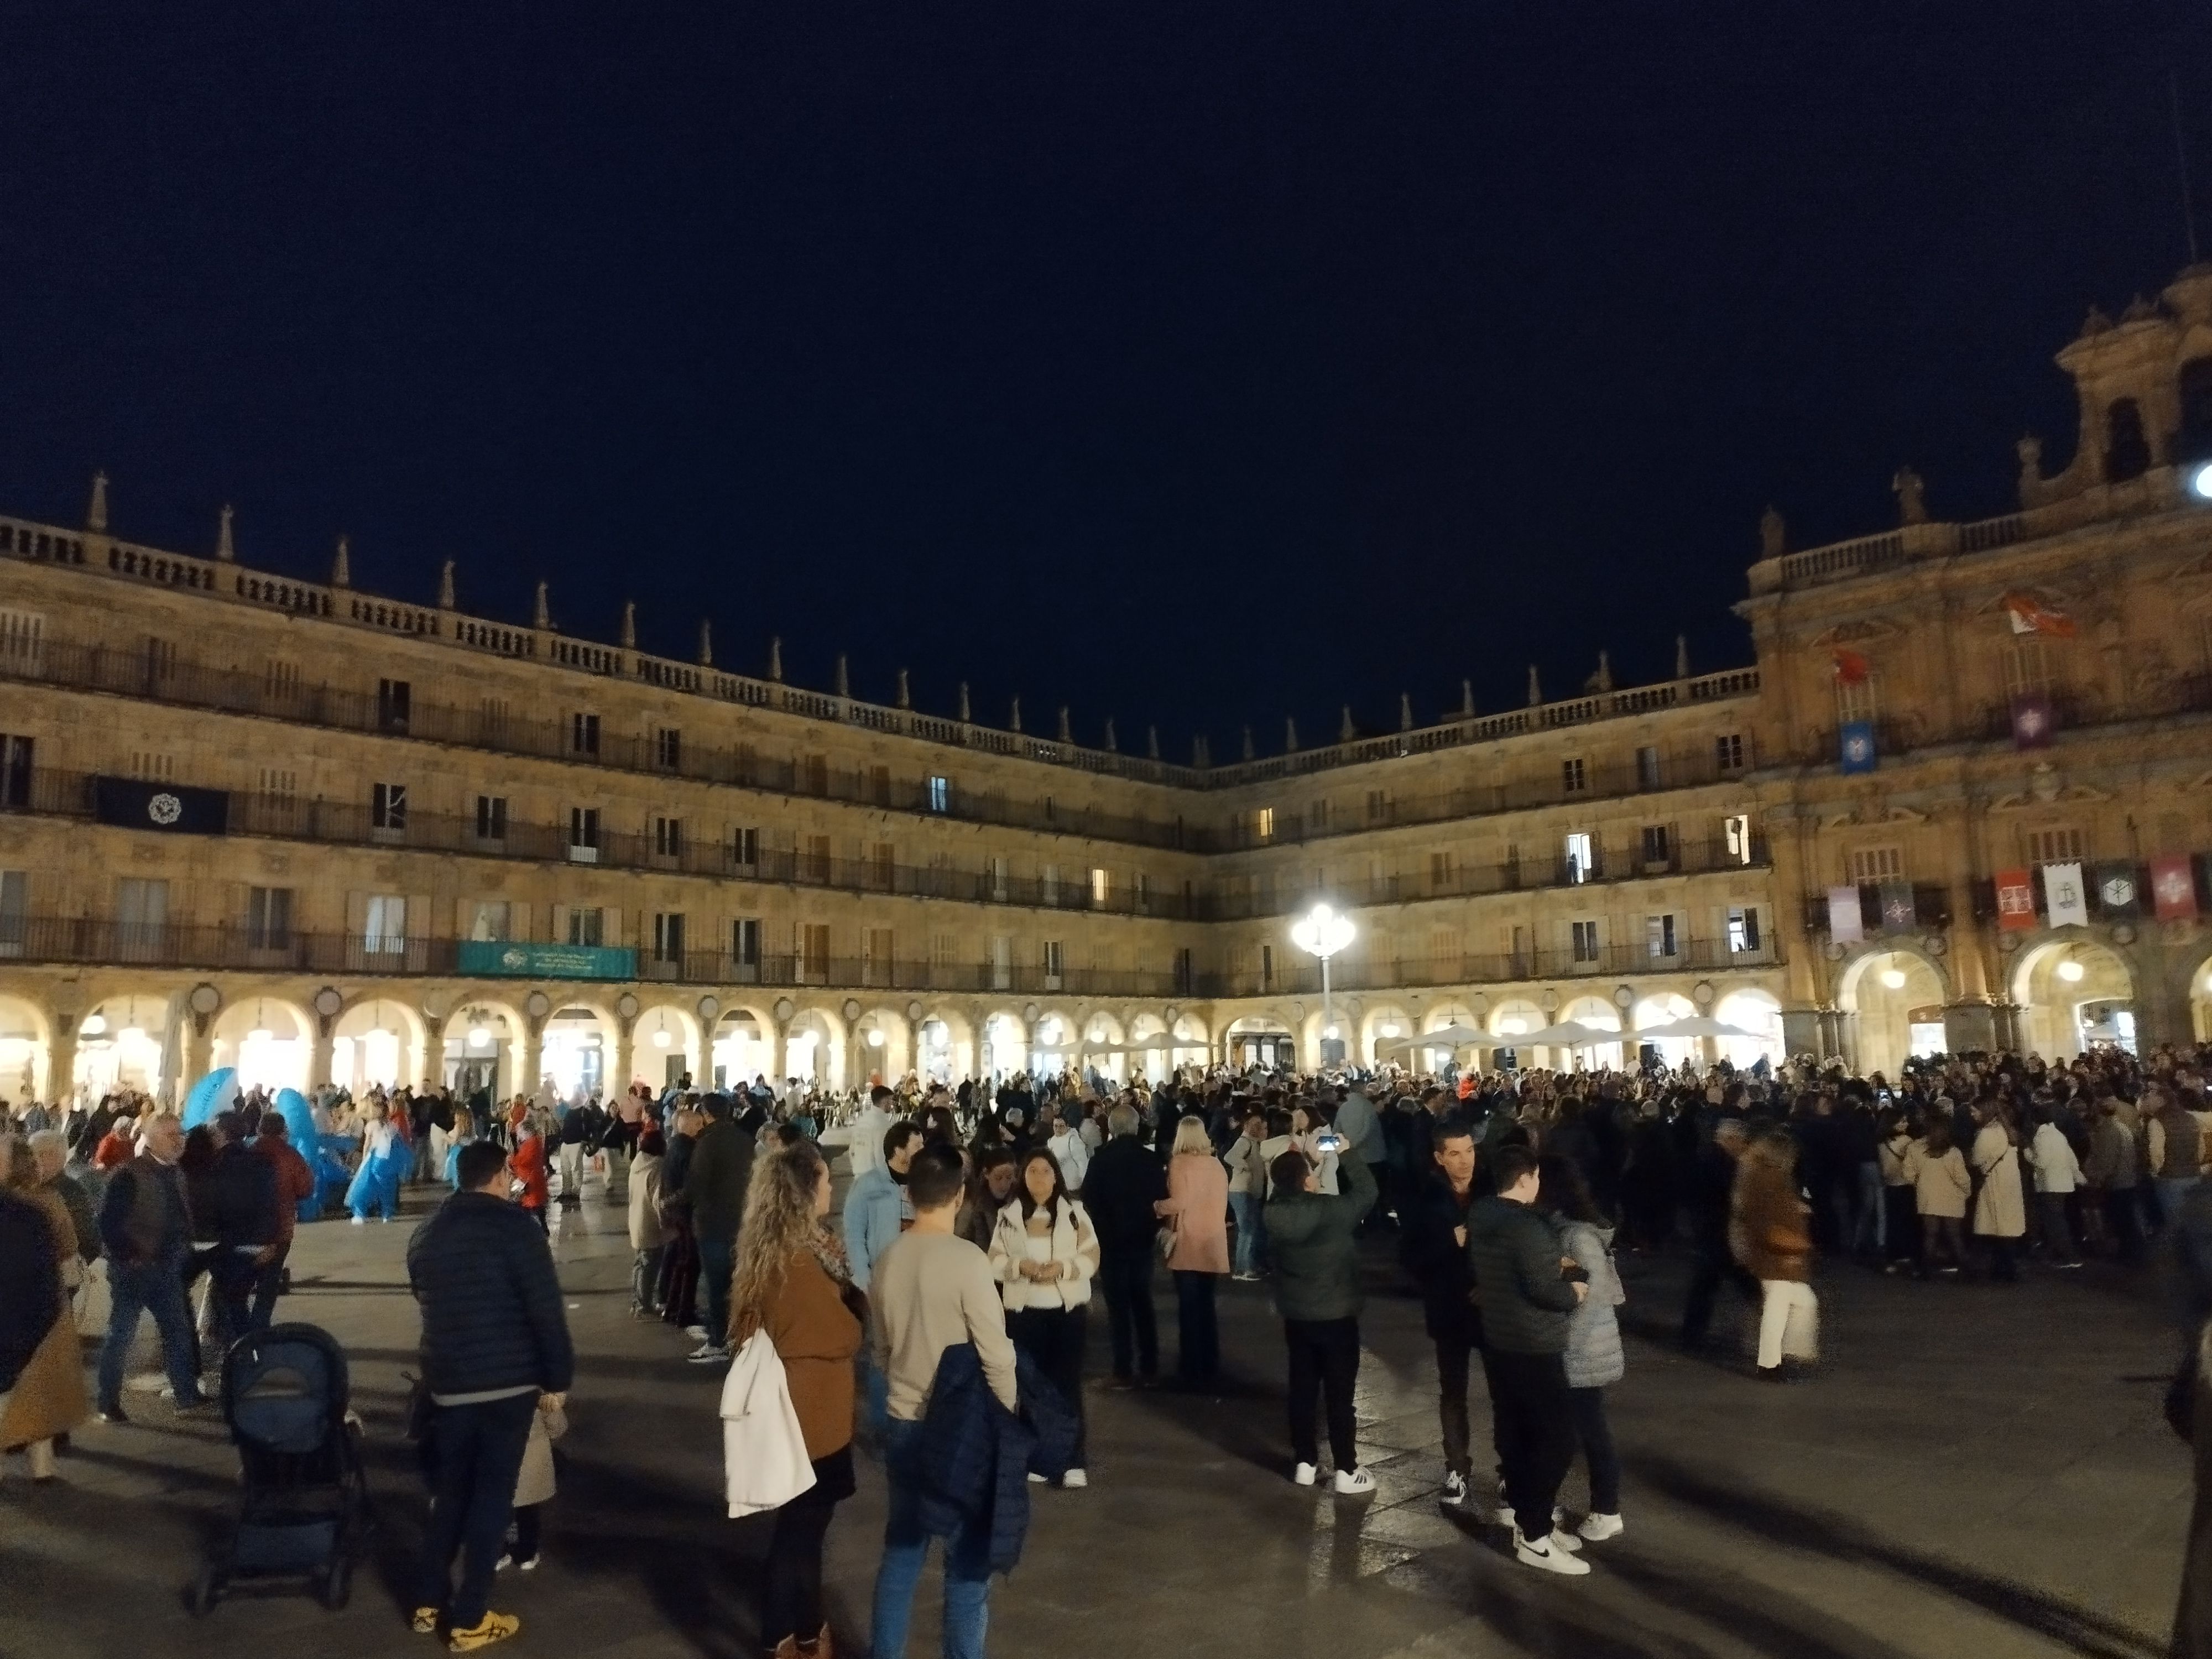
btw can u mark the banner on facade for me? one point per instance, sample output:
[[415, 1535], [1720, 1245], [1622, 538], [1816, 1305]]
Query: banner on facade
[[2064, 896], [1845, 924], [2032, 719], [504, 959], [2173, 887], [2015, 899], [2119, 893], [169, 807], [1899, 913], [1857, 746]]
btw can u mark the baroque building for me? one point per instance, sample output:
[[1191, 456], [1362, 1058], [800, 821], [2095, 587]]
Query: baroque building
[[1958, 800]]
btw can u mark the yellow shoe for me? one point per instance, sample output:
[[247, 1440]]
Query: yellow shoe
[[496, 1627], [426, 1621]]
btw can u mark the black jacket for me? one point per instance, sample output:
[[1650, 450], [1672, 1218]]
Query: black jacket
[[1513, 1253], [492, 1316], [241, 1191], [30, 1285], [721, 1169], [1432, 1253], [1120, 1188]]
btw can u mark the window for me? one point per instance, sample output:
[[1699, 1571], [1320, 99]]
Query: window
[[1574, 778], [1055, 961], [1102, 888], [1658, 845], [1051, 810], [814, 951], [668, 936], [23, 640], [280, 680], [1267, 967], [384, 932], [1184, 974], [1659, 934], [883, 866], [814, 774], [1735, 835], [15, 771], [1139, 897], [815, 865], [493, 716], [1263, 824], [744, 849], [2054, 846], [1317, 817], [142, 913], [583, 734], [1379, 806], [668, 749], [879, 784], [491, 921], [746, 941], [160, 659], [14, 912], [1743, 929], [1728, 751], [668, 838], [1049, 886], [1585, 941], [1443, 874], [278, 786], [268, 918], [491, 819], [2127, 452], [944, 950], [587, 926], [395, 702], [876, 956], [1581, 858], [584, 834], [1874, 864], [387, 806], [148, 767], [1647, 768], [937, 794], [1855, 701], [998, 877]]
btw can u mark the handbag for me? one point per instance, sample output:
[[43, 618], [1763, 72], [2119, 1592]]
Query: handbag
[[1165, 1238]]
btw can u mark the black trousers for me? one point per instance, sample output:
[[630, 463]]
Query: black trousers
[[1198, 1334], [1714, 1267], [529, 1526], [1529, 1403], [1126, 1277], [1900, 1223], [1054, 1337], [1324, 1367], [1454, 1368], [1596, 1434], [791, 1577], [478, 1453]]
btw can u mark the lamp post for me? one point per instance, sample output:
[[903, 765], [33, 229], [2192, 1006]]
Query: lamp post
[[1322, 933]]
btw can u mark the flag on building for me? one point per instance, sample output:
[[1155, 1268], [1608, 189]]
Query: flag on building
[[2064, 896], [1851, 667], [170, 807], [2032, 719], [2119, 894], [2015, 899], [1846, 926], [1899, 913], [2173, 887], [2030, 617], [1857, 746]]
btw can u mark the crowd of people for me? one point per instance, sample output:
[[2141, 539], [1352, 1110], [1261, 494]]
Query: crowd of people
[[944, 1326]]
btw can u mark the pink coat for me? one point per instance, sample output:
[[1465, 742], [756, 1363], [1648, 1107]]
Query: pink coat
[[1197, 1198]]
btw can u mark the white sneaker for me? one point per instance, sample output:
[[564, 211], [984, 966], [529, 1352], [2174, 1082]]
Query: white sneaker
[[1598, 1527], [1566, 1540], [1455, 1491], [710, 1355], [696, 1333], [1035, 1479], [1353, 1483], [1541, 1555], [1074, 1481], [360, 1221], [1304, 1474]]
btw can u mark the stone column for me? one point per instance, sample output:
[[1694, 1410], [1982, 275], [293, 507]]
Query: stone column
[[433, 1069], [196, 1052], [1970, 1025], [319, 1052], [625, 1066], [532, 1057], [780, 1054], [60, 1080], [1804, 1031]]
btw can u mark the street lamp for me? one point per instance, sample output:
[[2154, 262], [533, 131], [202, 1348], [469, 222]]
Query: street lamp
[[1322, 933]]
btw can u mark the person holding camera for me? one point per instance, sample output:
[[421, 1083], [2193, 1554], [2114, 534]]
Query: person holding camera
[[1527, 1291], [1312, 1232]]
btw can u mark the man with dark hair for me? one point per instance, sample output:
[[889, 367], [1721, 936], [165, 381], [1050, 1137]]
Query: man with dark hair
[[1434, 1251], [1120, 1189], [294, 1183], [1712, 1189], [864, 1142], [721, 1168], [243, 1224], [933, 1289], [494, 1336], [1525, 1298]]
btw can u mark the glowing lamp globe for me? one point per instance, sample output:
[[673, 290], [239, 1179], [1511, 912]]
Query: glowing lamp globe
[[1321, 932], [1893, 978], [2070, 971], [2200, 481]]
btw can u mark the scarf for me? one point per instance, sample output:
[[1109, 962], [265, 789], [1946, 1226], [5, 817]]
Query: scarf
[[829, 1253]]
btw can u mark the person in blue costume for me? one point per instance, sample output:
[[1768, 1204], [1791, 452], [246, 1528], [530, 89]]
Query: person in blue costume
[[384, 1159], [463, 1132], [300, 1129]]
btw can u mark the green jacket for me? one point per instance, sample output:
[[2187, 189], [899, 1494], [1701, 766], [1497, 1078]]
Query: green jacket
[[1311, 1237], [1515, 1253]]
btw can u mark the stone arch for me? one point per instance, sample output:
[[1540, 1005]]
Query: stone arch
[[26, 1048], [648, 1055], [1104, 1028], [1054, 1042], [1600, 1013], [377, 1041], [1897, 991], [1386, 1022], [2069, 991], [740, 1047], [125, 1041], [1663, 1008], [487, 1044], [1005, 1047], [1756, 1010], [576, 1050], [270, 1040], [947, 1045], [1261, 1039], [820, 1061], [881, 1046]]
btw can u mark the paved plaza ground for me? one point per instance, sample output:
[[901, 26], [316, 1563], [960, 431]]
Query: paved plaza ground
[[1977, 1471]]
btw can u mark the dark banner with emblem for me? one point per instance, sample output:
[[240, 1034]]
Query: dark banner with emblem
[[166, 806]]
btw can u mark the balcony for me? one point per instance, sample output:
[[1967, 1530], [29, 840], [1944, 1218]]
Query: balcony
[[1607, 962]]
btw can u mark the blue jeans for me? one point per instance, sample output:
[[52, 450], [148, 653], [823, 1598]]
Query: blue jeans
[[906, 1546], [2172, 1189], [717, 1260], [158, 1288], [1251, 1230]]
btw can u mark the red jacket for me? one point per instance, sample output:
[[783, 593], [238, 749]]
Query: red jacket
[[295, 1182], [527, 1166]]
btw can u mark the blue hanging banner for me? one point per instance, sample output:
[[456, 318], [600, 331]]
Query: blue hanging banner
[[1857, 746]]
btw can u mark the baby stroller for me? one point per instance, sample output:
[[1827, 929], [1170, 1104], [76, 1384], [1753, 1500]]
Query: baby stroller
[[305, 1496]]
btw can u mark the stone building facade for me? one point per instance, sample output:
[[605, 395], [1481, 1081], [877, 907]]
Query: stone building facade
[[314, 833]]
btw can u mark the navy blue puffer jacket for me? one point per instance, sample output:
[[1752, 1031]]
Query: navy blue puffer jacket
[[492, 1316]]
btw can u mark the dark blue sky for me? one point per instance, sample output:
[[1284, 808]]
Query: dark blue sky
[[1195, 363]]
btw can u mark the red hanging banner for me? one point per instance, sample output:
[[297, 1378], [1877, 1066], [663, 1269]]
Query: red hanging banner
[[2015, 899]]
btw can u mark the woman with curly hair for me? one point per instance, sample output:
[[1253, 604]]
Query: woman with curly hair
[[1768, 1233], [792, 1283]]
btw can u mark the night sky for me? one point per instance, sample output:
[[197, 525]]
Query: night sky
[[1198, 364]]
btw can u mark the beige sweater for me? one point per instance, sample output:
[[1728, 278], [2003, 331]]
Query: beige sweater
[[926, 1293]]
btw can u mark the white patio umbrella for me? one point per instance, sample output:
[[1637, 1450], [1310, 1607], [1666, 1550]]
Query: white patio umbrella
[[1698, 1025], [1568, 1034], [1444, 1036]]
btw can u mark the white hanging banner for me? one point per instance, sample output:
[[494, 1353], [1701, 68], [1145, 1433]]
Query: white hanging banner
[[2065, 895], [1846, 925]]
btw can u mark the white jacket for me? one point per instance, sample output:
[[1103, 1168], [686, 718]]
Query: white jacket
[[863, 1138], [1074, 1246], [2051, 1157], [764, 1461], [1074, 1158]]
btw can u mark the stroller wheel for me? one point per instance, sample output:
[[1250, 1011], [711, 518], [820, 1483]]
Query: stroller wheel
[[200, 1599], [337, 1584]]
